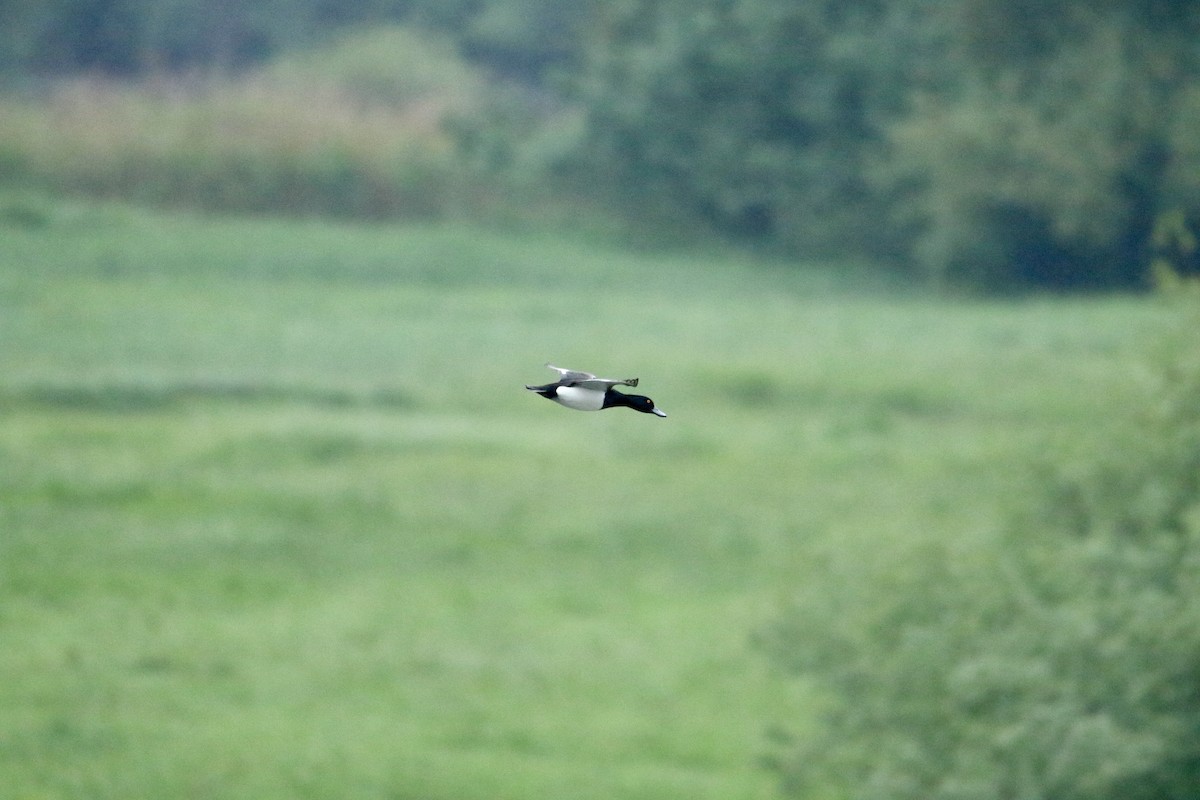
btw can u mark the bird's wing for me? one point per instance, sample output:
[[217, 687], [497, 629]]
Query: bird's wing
[[570, 377]]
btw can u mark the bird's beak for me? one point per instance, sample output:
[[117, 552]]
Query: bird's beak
[[658, 411]]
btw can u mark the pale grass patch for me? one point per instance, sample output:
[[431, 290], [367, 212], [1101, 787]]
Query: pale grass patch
[[286, 138]]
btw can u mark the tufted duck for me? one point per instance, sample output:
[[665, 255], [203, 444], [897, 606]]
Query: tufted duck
[[583, 391]]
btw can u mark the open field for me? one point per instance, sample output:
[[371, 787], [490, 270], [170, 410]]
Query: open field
[[278, 520]]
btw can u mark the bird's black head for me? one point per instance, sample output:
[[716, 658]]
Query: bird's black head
[[637, 402]]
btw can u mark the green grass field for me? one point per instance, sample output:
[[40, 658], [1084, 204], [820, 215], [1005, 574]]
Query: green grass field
[[278, 520]]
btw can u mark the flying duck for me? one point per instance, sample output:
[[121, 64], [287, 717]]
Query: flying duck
[[583, 391]]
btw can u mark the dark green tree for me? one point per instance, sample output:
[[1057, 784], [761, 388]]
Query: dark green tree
[[991, 144], [753, 116], [1050, 158], [128, 37]]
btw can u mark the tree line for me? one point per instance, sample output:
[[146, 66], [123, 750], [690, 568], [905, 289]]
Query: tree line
[[986, 143], [132, 37]]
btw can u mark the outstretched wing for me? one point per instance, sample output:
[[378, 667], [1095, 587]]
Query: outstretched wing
[[570, 377]]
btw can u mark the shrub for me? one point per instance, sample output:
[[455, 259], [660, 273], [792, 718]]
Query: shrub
[[354, 129], [389, 66], [1060, 660]]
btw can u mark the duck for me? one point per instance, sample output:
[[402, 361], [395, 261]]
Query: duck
[[583, 391]]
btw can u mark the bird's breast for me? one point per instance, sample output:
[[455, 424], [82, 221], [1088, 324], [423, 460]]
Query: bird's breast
[[579, 398]]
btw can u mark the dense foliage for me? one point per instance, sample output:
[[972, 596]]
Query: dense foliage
[[129, 37], [991, 144], [1060, 661], [757, 116]]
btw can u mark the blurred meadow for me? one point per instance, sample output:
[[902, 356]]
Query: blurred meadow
[[278, 518]]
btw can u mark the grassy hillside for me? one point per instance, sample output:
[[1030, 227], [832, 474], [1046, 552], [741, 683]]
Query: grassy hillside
[[278, 520]]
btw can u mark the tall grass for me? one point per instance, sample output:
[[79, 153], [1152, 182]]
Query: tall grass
[[355, 129]]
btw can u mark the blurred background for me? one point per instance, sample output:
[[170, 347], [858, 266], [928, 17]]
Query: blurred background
[[996, 145], [914, 280]]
